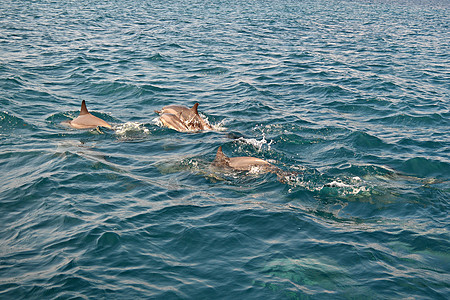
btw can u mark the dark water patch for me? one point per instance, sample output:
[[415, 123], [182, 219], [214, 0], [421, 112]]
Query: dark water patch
[[24, 187], [170, 45], [382, 86], [157, 87], [252, 107], [343, 152], [366, 141], [360, 108], [107, 242], [296, 140], [327, 91], [211, 71], [12, 83], [12, 290], [314, 276], [98, 178], [303, 128], [13, 125], [412, 120], [156, 57], [424, 144], [243, 88], [32, 94], [425, 167], [120, 90]]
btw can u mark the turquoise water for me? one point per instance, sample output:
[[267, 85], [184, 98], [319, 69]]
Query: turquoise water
[[349, 98]]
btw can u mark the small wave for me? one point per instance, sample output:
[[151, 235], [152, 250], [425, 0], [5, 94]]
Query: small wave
[[308, 273]]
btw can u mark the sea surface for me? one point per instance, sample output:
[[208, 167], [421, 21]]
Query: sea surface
[[350, 99]]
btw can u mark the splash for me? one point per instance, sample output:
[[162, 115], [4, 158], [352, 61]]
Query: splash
[[131, 130], [320, 183], [157, 122], [256, 143], [256, 170], [216, 126], [353, 187]]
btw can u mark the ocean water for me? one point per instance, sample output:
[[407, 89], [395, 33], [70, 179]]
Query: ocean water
[[350, 99]]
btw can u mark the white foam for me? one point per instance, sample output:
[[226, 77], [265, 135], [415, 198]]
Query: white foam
[[157, 122], [219, 126], [347, 189], [255, 143], [338, 184], [131, 129], [354, 187], [255, 170]]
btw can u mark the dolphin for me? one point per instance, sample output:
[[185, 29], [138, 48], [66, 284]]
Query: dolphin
[[173, 122], [243, 163], [251, 164], [85, 120], [188, 116]]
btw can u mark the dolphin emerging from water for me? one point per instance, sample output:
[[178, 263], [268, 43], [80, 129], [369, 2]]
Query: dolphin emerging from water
[[189, 116], [243, 163], [85, 120], [252, 165]]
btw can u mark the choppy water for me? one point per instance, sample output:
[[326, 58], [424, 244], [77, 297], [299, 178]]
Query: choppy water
[[351, 98]]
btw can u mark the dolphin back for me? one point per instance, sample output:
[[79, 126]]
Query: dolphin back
[[85, 120]]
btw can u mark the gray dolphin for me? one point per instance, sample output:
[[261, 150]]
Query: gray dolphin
[[85, 120], [189, 116], [243, 163], [173, 122]]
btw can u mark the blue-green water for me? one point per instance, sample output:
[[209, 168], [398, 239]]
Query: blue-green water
[[350, 98]]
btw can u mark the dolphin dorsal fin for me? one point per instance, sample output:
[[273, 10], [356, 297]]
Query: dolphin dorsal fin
[[84, 110], [221, 159], [194, 108]]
